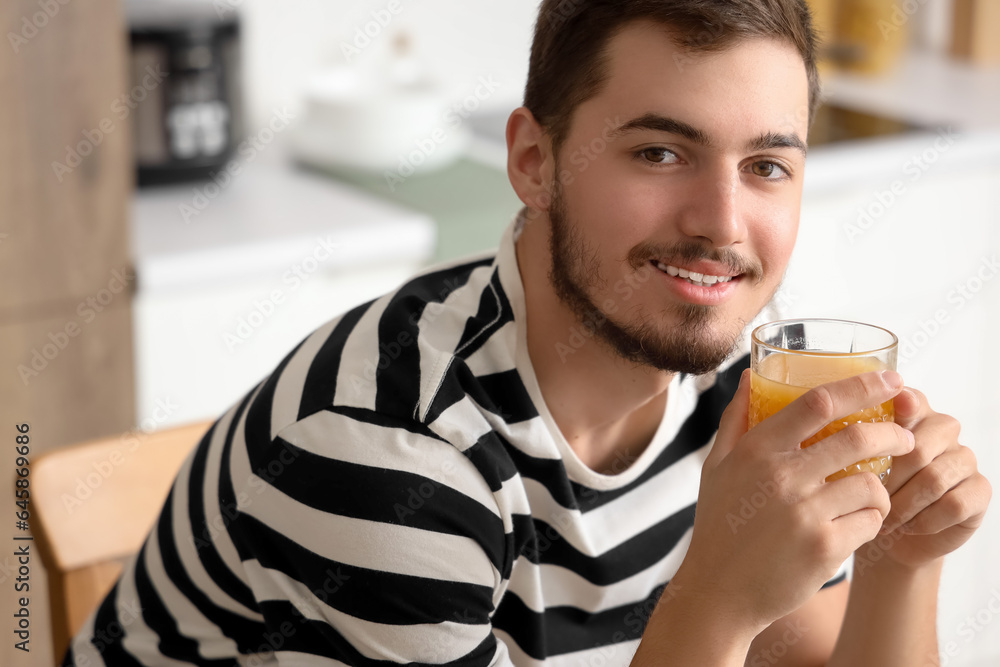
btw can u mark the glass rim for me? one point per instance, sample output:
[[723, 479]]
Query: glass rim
[[755, 340]]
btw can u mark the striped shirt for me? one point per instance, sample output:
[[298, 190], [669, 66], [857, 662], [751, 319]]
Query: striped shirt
[[397, 492]]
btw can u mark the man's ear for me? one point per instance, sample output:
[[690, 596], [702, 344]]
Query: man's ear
[[530, 163]]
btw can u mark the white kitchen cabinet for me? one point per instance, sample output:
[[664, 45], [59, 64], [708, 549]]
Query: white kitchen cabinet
[[927, 268], [225, 294]]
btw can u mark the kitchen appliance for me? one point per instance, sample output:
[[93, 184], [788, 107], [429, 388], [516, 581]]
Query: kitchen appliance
[[385, 115], [185, 87]]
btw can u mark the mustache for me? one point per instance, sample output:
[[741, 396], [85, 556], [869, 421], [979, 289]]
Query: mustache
[[691, 251]]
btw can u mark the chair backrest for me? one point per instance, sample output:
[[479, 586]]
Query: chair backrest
[[93, 505]]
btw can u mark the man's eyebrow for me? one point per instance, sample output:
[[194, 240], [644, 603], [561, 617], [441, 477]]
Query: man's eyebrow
[[775, 140], [658, 123]]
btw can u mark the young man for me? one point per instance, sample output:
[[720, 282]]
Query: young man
[[517, 482]]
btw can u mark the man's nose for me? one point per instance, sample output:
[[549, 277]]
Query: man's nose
[[713, 211]]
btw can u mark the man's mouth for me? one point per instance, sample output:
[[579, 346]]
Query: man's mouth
[[699, 279]]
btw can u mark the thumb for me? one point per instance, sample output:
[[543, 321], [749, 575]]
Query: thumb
[[733, 423], [910, 407]]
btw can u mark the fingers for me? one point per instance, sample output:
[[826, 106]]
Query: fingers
[[930, 484], [854, 493], [965, 505], [924, 548], [856, 443], [821, 405], [949, 491], [911, 407], [859, 504], [935, 434], [733, 423]]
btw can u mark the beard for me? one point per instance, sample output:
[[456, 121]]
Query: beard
[[681, 338]]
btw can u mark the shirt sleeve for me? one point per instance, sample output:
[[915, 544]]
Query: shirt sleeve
[[843, 574], [366, 542]]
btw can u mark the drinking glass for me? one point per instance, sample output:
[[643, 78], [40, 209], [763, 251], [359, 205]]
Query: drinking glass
[[789, 357]]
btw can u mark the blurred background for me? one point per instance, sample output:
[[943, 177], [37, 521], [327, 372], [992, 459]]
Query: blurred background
[[188, 188]]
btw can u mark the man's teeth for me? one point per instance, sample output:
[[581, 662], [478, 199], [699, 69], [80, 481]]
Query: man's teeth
[[692, 276]]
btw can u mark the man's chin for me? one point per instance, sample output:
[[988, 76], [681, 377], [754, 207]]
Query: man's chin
[[696, 344]]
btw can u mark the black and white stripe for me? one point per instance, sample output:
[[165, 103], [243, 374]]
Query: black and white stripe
[[396, 493]]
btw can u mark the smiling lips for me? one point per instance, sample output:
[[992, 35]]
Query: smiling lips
[[693, 277]]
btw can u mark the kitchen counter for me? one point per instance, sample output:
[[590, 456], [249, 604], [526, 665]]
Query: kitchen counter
[[230, 279], [925, 89], [470, 201], [260, 224]]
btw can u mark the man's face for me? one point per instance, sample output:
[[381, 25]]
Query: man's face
[[678, 196]]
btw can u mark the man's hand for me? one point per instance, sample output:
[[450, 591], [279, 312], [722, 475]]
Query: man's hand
[[938, 500], [938, 495], [769, 530]]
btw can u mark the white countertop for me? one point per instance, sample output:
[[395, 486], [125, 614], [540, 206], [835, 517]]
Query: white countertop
[[268, 218], [879, 161]]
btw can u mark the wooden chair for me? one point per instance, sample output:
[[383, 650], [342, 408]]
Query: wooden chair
[[92, 507]]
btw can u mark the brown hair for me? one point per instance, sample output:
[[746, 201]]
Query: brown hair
[[569, 60]]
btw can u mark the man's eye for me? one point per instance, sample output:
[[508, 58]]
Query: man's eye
[[658, 155], [769, 170]]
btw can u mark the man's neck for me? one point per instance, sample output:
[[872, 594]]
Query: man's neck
[[607, 408]]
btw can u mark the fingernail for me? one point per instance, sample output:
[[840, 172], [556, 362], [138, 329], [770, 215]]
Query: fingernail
[[892, 379], [909, 436]]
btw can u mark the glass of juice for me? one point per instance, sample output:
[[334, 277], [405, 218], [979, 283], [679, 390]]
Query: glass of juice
[[788, 357]]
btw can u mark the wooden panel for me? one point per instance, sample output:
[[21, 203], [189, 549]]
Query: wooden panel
[[63, 68], [62, 86], [69, 388], [64, 243]]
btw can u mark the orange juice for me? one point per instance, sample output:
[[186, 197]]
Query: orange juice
[[781, 378]]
